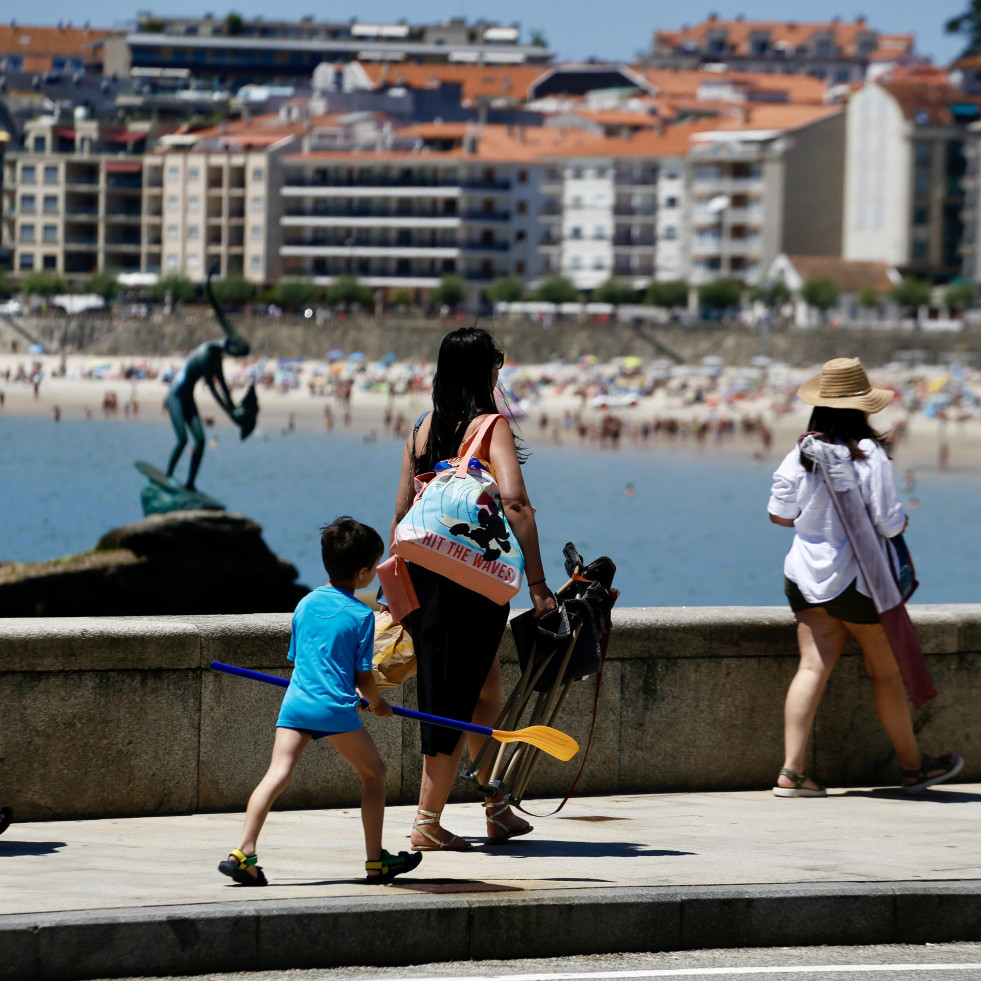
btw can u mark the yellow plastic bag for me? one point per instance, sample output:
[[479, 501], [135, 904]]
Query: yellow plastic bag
[[394, 660]]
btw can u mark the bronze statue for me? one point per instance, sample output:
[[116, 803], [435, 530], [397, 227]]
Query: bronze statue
[[205, 362]]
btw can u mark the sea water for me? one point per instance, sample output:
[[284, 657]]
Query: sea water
[[693, 532]]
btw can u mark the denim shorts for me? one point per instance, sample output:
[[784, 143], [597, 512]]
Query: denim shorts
[[850, 605]]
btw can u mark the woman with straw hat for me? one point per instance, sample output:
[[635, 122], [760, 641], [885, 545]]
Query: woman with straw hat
[[827, 584]]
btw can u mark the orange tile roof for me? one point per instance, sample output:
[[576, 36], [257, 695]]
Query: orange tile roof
[[673, 141], [779, 117], [637, 119], [480, 83], [849, 275], [927, 101], [686, 82], [738, 32], [47, 41]]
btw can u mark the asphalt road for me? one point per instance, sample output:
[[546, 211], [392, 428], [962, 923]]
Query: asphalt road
[[943, 962]]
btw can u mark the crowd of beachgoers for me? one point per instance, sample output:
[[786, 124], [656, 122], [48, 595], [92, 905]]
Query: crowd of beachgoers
[[626, 401]]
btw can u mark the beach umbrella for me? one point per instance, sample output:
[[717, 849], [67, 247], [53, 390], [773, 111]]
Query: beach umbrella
[[335, 354], [390, 358], [356, 356], [36, 349]]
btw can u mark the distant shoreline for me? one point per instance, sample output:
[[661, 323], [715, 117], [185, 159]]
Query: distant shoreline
[[81, 398]]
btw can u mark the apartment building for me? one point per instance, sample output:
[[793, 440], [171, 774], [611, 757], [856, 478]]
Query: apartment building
[[837, 51], [431, 200], [214, 198], [763, 182], [615, 207], [233, 51], [905, 196], [72, 199], [49, 49]]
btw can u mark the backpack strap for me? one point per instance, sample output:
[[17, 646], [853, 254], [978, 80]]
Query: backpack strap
[[475, 441]]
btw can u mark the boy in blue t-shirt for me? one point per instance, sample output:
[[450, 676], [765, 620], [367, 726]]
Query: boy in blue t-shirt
[[331, 647]]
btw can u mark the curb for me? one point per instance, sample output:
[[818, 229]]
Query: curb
[[296, 934]]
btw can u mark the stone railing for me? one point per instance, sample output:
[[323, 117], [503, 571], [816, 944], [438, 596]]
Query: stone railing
[[121, 716]]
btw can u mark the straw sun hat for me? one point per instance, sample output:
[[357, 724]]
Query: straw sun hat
[[843, 384]]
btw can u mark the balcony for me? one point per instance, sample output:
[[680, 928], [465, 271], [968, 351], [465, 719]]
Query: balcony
[[486, 246], [634, 211], [487, 216]]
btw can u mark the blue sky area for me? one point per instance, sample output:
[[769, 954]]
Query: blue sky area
[[575, 29]]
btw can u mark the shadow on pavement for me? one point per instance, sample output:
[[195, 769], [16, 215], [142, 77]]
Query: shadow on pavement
[[10, 846], [524, 848], [948, 795]]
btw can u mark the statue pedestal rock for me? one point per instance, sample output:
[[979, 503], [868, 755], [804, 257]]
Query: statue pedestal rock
[[162, 494]]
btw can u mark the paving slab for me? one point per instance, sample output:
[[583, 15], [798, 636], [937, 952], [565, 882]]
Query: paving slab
[[672, 870]]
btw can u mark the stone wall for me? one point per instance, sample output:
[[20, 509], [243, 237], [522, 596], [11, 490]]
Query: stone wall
[[121, 716]]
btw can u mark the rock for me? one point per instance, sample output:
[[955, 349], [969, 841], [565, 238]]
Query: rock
[[180, 562]]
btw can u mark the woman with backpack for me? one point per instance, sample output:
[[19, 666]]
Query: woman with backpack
[[457, 631]]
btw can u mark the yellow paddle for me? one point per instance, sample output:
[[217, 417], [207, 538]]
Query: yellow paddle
[[545, 738]]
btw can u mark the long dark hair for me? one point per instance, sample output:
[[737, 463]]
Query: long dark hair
[[847, 426], [463, 388]]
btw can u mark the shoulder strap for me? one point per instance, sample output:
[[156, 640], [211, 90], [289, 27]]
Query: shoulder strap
[[475, 441]]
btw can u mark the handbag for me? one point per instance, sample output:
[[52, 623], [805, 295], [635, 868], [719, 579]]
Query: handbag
[[456, 526], [394, 660], [903, 568]]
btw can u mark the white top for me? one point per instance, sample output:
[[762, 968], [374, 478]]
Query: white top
[[821, 561]]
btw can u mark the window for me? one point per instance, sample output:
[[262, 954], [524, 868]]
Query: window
[[173, 173], [575, 232], [577, 173], [257, 203], [171, 262], [193, 203], [171, 233], [49, 233], [28, 173], [671, 173], [599, 232], [50, 261], [519, 236], [255, 262], [671, 202], [599, 262], [27, 261], [522, 207], [193, 261], [193, 233], [922, 154], [28, 204], [522, 176], [257, 173], [51, 174], [670, 233], [576, 202], [38, 144], [194, 173], [519, 268], [27, 233], [575, 262], [601, 172], [50, 203], [255, 233], [171, 202]]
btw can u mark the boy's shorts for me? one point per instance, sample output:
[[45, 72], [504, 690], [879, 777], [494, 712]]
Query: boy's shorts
[[313, 733], [850, 605]]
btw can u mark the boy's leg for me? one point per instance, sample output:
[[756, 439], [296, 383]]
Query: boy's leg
[[287, 750], [359, 749]]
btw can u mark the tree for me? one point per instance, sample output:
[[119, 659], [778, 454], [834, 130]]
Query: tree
[[179, 288], [346, 291], [294, 292], [868, 297], [615, 291], [233, 290], [820, 293], [960, 295], [401, 297], [451, 292], [911, 293], [103, 284], [233, 24], [44, 283], [556, 289], [505, 289], [771, 295], [5, 287], [967, 24], [538, 38], [669, 294], [720, 294]]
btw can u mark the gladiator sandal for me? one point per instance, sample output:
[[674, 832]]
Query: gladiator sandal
[[454, 844], [494, 809]]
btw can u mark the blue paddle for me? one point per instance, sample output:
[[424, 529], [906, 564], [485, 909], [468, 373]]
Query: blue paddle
[[545, 738]]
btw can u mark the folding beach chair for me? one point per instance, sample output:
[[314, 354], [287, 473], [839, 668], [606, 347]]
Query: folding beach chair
[[554, 651]]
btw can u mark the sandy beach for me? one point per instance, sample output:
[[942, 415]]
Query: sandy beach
[[758, 412]]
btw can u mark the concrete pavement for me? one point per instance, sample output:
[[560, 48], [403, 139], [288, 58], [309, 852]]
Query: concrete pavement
[[142, 896]]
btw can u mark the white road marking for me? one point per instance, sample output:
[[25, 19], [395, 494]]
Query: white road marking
[[705, 972]]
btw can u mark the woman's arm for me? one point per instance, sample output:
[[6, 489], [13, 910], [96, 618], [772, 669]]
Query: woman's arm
[[520, 514], [783, 522]]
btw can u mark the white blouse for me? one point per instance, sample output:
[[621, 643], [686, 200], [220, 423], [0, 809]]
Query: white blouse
[[821, 561]]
